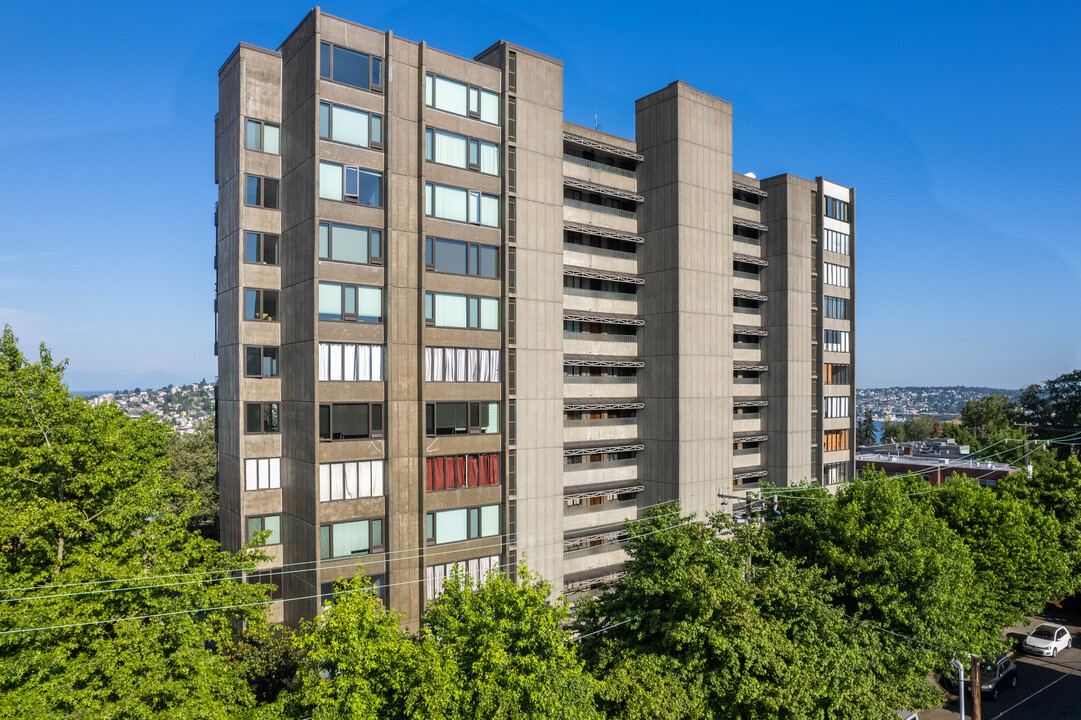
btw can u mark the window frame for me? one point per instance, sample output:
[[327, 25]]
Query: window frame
[[263, 417], [262, 527], [261, 191], [261, 241], [263, 125], [474, 315], [372, 474], [375, 68], [431, 90], [346, 197], [472, 160], [473, 199], [270, 576], [473, 516], [354, 316], [836, 407], [271, 474], [375, 417], [836, 209], [260, 296], [374, 120], [373, 258], [262, 360], [326, 539], [841, 343], [431, 256], [474, 417], [835, 440]]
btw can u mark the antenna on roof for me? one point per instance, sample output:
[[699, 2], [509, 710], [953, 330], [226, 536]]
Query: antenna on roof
[[596, 122]]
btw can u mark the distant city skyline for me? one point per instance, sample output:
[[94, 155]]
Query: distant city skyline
[[958, 134]]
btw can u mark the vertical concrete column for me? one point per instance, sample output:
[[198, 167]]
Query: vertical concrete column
[[686, 179]]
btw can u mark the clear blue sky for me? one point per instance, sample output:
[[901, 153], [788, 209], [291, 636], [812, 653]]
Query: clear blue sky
[[956, 122]]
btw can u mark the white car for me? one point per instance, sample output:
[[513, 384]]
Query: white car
[[1047, 639]]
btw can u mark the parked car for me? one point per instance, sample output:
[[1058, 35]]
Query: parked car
[[995, 675], [1047, 639]]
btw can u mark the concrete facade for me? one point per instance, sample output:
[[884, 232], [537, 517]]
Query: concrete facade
[[454, 328]]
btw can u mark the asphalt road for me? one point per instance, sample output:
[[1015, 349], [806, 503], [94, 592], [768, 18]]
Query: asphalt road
[[1047, 688]]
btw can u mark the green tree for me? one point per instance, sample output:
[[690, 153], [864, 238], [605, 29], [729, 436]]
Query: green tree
[[82, 502], [194, 465], [509, 649], [1054, 488], [865, 429], [705, 625], [1014, 545]]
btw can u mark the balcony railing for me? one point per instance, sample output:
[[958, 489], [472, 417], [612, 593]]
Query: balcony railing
[[607, 294], [600, 378], [745, 204], [598, 337], [606, 252], [607, 422], [600, 464], [583, 205], [599, 166]]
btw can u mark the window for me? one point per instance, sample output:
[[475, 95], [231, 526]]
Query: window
[[262, 473], [836, 375], [261, 192], [460, 151], [345, 243], [461, 99], [343, 539], [836, 209], [476, 570], [836, 308], [451, 203], [462, 524], [837, 242], [378, 588], [355, 303], [350, 362], [347, 183], [460, 258], [461, 311], [836, 340], [261, 417], [461, 418], [260, 248], [268, 577], [350, 67], [350, 421], [261, 305], [451, 472], [836, 407], [835, 440], [835, 274], [265, 523], [834, 473], [262, 136], [450, 364], [349, 126], [350, 480], [261, 361]]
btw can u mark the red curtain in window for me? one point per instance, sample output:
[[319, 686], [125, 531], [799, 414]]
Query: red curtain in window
[[482, 471], [437, 473], [493, 469], [459, 471], [474, 471], [429, 471]]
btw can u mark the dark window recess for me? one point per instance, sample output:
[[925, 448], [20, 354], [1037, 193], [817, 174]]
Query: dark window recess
[[261, 192], [628, 165], [261, 305], [461, 418], [746, 197], [260, 248], [836, 209], [350, 67], [460, 258], [261, 361], [606, 201], [261, 417], [350, 421], [268, 577], [587, 242]]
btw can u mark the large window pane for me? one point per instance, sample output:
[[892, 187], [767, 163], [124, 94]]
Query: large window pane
[[251, 304], [489, 314], [330, 301], [349, 422], [324, 120], [369, 304], [489, 418], [450, 310], [450, 96], [350, 538], [254, 136], [489, 520], [489, 107], [449, 149], [450, 256], [253, 361], [350, 126], [251, 190], [450, 526], [489, 158], [270, 139], [349, 244], [449, 203], [489, 211], [369, 188], [330, 181], [488, 259], [351, 67]]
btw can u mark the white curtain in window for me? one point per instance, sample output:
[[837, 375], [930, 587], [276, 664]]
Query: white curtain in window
[[264, 474], [324, 362], [377, 478], [493, 419], [351, 480], [450, 310], [377, 362], [429, 90], [275, 473], [474, 207], [337, 486], [449, 149], [449, 203], [370, 302], [450, 96], [489, 211], [437, 365], [428, 364], [489, 107], [330, 181], [364, 362], [489, 314], [484, 374], [448, 364], [364, 479], [251, 475], [324, 483], [335, 361], [350, 537], [494, 356], [489, 158], [350, 126], [461, 370], [472, 358], [349, 367]]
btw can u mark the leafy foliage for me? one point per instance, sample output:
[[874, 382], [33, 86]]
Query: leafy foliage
[[1055, 489], [194, 465], [1056, 404], [81, 502], [865, 429]]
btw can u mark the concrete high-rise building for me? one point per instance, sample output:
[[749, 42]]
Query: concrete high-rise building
[[453, 327]]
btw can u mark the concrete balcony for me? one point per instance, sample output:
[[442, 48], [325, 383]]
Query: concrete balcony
[[608, 516], [587, 558], [609, 471], [600, 344], [600, 301], [745, 426], [746, 211], [746, 283], [746, 388], [753, 319], [600, 430], [592, 171], [584, 386], [600, 216], [742, 461], [742, 355], [599, 258]]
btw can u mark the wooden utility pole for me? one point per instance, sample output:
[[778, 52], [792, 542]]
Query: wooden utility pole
[[977, 711]]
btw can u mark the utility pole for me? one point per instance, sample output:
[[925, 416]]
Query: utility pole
[[1025, 427], [960, 685], [977, 711]]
